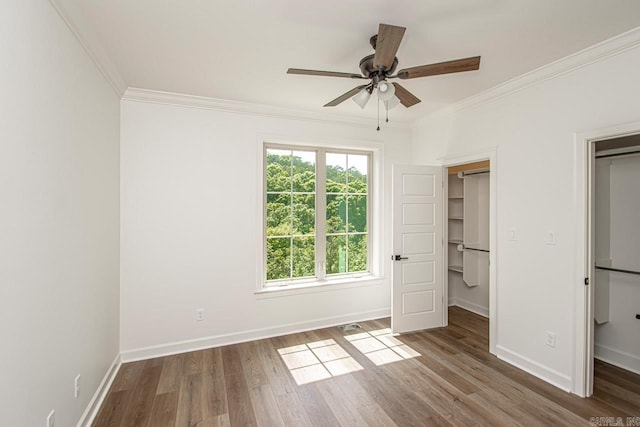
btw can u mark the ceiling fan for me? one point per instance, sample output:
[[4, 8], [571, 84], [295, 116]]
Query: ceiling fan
[[379, 68]]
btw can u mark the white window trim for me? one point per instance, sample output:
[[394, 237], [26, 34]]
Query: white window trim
[[375, 217], [319, 286]]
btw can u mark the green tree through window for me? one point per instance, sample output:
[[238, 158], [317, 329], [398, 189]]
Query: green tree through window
[[346, 184], [292, 250]]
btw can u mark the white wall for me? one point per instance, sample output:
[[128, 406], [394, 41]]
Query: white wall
[[59, 218], [618, 340], [190, 233], [533, 129]]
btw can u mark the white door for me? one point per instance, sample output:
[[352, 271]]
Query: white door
[[417, 272]]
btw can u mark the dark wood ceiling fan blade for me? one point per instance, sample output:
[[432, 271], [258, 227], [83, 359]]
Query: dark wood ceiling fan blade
[[324, 73], [345, 96], [455, 66], [406, 98], [387, 44]]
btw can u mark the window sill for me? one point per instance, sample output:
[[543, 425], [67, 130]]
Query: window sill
[[318, 286]]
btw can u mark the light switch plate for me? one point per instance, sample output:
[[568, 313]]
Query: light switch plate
[[551, 238]]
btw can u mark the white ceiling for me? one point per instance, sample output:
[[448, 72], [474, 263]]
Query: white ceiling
[[240, 49]]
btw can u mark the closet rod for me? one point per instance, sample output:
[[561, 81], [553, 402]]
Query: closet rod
[[463, 174], [637, 273], [474, 249], [602, 156]]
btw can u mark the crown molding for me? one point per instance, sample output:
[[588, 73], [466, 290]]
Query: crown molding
[[93, 48], [239, 107], [599, 52]]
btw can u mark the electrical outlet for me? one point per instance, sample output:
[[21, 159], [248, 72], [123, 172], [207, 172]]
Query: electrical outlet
[[200, 315], [51, 419], [550, 340], [76, 386]]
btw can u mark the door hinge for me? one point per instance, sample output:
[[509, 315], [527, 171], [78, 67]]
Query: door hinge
[[586, 281]]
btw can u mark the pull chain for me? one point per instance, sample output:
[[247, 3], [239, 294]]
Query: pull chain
[[378, 129], [386, 109]]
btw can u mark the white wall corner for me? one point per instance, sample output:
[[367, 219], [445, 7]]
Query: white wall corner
[[553, 377], [89, 42], [250, 335], [89, 414], [590, 55]]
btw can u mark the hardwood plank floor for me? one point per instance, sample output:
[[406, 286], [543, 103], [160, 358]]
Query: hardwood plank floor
[[365, 377]]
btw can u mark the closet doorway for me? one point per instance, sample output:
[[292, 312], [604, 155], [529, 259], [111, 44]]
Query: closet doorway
[[608, 307], [615, 257], [470, 237]]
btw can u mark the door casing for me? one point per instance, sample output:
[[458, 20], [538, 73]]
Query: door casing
[[490, 155]]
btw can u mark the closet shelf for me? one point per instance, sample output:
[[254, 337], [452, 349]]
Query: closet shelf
[[455, 241], [456, 268], [457, 218], [456, 197]]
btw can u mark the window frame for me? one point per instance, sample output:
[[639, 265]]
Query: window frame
[[321, 277]]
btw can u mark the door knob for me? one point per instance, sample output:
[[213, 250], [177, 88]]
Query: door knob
[[398, 257]]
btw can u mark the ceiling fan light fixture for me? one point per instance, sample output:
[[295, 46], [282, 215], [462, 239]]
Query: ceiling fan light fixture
[[392, 103], [386, 90], [361, 98]]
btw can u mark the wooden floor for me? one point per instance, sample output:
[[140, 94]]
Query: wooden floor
[[328, 377]]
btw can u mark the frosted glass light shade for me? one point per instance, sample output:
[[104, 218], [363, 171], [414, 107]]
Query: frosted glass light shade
[[386, 90], [361, 98], [392, 103]]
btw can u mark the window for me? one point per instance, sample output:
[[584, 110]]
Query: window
[[317, 214]]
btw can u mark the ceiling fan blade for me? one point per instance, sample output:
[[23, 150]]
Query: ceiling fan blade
[[406, 98], [324, 73], [345, 96], [387, 44], [455, 66]]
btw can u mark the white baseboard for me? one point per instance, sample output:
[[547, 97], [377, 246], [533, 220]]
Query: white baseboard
[[244, 336], [470, 306], [618, 358], [553, 377], [101, 393]]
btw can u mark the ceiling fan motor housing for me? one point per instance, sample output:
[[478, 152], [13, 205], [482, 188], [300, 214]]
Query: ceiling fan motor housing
[[368, 70]]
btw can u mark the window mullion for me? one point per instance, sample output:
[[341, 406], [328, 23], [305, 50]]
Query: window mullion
[[346, 216], [291, 216], [369, 196], [321, 214]]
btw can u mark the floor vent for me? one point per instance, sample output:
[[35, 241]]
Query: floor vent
[[350, 327]]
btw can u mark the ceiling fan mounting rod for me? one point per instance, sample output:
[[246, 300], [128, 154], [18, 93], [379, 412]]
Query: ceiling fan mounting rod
[[377, 78]]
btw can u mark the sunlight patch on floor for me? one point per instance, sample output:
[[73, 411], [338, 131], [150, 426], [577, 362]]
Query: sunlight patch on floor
[[317, 361], [381, 347]]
